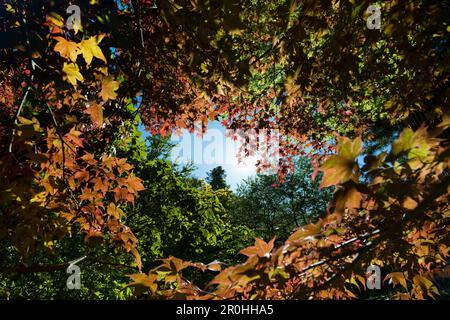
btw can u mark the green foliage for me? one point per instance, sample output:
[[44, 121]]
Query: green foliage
[[273, 208], [102, 272], [217, 178], [396, 218], [175, 218], [72, 161]]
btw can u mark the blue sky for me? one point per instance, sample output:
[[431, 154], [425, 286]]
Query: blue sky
[[212, 150]]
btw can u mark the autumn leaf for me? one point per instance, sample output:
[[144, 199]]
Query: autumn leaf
[[142, 279], [87, 194], [350, 149], [82, 175], [417, 144], [214, 265], [397, 278], [405, 141], [122, 194], [129, 241], [89, 158], [67, 49], [95, 111], [134, 184], [72, 73], [409, 203], [347, 198], [122, 165], [115, 211], [108, 161], [73, 136], [101, 185], [109, 86], [340, 168], [55, 19], [137, 257], [55, 22], [306, 233], [89, 49], [425, 284], [336, 170], [176, 264], [261, 248]]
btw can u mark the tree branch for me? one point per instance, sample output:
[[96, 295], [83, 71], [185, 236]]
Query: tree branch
[[32, 70], [439, 190]]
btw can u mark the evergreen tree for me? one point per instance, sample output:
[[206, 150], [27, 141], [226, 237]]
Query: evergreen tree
[[217, 178]]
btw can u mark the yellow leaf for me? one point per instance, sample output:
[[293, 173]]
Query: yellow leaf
[[350, 149], [340, 168], [426, 285], [336, 170], [89, 49], [109, 86], [10, 8], [67, 49], [72, 73], [49, 244], [115, 211], [40, 197], [397, 278], [55, 21], [422, 282], [142, 279], [409, 203], [103, 70]]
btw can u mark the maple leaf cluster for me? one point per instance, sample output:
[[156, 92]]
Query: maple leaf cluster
[[396, 218], [309, 69], [58, 170]]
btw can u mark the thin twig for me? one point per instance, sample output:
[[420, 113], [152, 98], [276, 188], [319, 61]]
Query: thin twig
[[19, 110]]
